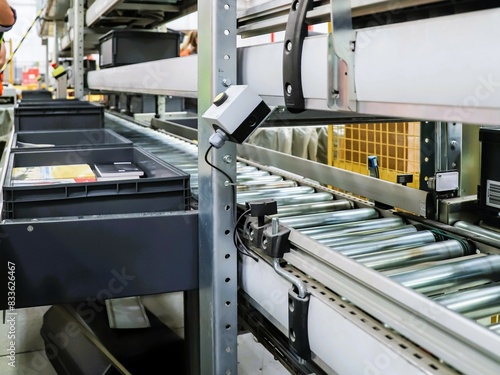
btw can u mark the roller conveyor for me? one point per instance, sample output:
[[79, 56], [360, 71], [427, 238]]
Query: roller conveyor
[[359, 227], [403, 258], [361, 238], [414, 255], [477, 303], [464, 273]]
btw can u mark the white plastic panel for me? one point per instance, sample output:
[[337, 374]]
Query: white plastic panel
[[175, 76], [261, 67], [338, 342], [444, 67]]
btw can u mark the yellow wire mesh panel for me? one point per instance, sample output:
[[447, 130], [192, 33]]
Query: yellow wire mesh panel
[[396, 145]]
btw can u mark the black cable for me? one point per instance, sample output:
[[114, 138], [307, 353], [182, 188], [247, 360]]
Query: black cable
[[217, 168], [238, 242], [243, 250], [240, 246], [236, 226], [221, 171]]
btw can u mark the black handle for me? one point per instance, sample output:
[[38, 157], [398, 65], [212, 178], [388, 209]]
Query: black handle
[[296, 31]]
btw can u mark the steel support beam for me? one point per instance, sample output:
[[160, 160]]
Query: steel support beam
[[217, 255], [160, 106], [77, 47], [45, 42], [57, 37]]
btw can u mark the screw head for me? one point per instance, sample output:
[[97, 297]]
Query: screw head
[[30, 228], [264, 243], [227, 159]]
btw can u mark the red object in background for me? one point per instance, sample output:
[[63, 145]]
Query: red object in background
[[30, 76], [1, 83]]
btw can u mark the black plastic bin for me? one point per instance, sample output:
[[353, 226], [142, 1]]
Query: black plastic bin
[[57, 103], [162, 188], [36, 95], [123, 47], [57, 115], [66, 139]]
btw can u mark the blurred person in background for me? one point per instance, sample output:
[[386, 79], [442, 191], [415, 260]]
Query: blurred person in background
[[7, 20], [190, 44]]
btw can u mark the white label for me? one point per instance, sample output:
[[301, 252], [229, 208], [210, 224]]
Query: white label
[[493, 193], [446, 181]]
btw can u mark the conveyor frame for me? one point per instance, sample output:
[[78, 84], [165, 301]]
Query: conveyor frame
[[400, 308], [336, 326]]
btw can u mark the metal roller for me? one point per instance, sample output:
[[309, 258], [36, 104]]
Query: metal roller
[[178, 158], [463, 273], [477, 230], [172, 152], [180, 163], [251, 175], [244, 176], [246, 169], [257, 179], [367, 226], [403, 258], [186, 165], [191, 171], [349, 233], [172, 155], [303, 198], [495, 328], [361, 238], [245, 196], [258, 185], [260, 179], [403, 242], [308, 208], [330, 218], [475, 304]]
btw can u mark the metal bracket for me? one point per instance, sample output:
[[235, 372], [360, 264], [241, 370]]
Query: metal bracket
[[298, 307], [298, 335], [454, 143], [275, 244], [296, 31], [254, 231], [443, 185], [342, 88], [256, 224], [275, 239]]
